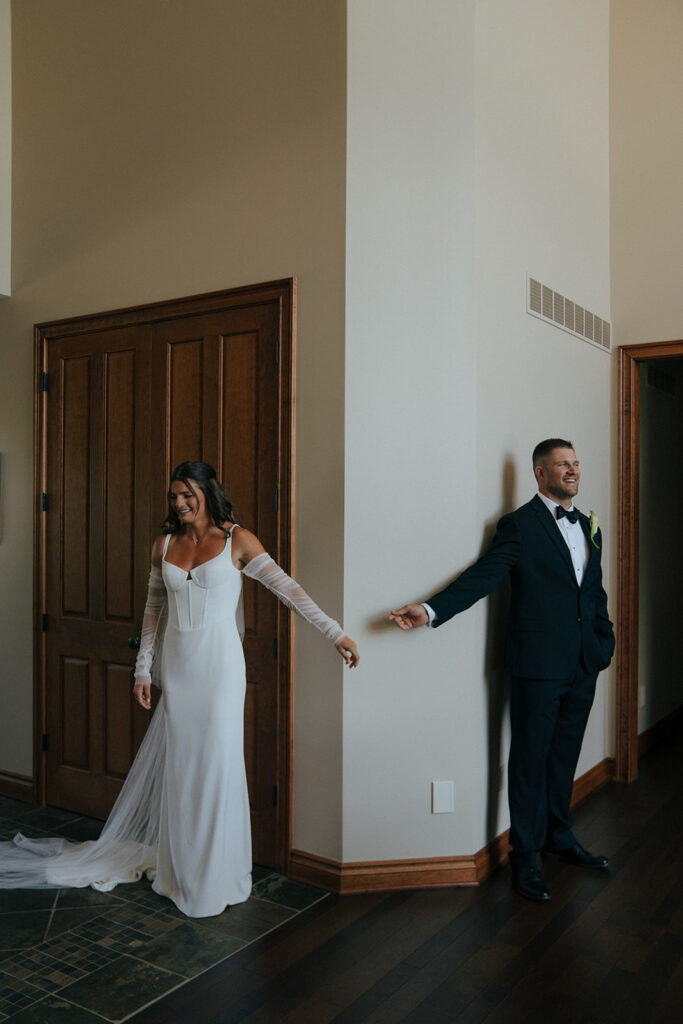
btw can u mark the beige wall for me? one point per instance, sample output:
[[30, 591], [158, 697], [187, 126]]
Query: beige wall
[[646, 89], [5, 145], [163, 149]]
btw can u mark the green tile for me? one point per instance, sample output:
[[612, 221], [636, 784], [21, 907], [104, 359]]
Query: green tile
[[16, 993], [248, 920], [296, 895], [188, 949], [26, 899], [86, 897], [258, 873], [10, 826], [48, 818], [82, 829], [21, 931], [56, 1010], [64, 920], [9, 806], [142, 895], [121, 988]]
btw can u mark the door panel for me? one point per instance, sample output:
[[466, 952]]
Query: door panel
[[223, 399], [130, 395], [97, 495]]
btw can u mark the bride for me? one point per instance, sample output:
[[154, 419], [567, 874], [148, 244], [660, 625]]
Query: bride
[[182, 816]]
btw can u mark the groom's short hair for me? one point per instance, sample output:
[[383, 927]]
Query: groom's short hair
[[544, 448]]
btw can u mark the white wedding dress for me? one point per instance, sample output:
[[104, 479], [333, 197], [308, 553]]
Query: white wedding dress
[[204, 858], [182, 816]]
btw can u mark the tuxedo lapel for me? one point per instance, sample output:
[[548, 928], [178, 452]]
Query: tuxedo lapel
[[593, 553], [545, 518]]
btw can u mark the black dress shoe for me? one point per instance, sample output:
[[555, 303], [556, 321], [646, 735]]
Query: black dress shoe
[[577, 855], [529, 882]]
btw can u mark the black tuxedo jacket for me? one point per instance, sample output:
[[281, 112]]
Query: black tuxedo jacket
[[553, 625]]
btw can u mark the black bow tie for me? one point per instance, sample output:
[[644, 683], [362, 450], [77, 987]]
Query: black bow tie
[[571, 514]]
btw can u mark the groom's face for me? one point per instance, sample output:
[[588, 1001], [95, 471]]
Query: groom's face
[[559, 476]]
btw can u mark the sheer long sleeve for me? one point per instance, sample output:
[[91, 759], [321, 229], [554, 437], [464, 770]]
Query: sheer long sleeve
[[156, 602], [264, 569]]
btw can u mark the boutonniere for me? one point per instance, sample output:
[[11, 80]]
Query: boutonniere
[[595, 526]]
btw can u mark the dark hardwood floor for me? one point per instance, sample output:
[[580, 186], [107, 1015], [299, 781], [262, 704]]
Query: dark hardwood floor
[[607, 948]]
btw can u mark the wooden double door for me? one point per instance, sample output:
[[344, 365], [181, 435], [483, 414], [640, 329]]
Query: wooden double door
[[123, 398]]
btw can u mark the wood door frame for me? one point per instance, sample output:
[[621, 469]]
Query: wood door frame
[[630, 358], [282, 292]]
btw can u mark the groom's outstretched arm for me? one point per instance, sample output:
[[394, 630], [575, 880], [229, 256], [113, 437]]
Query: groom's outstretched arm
[[482, 577], [471, 585]]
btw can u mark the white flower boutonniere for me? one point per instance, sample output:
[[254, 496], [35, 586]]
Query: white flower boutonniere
[[595, 526]]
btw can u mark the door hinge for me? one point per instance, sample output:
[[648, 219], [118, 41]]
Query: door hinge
[[45, 380], [276, 497], [275, 649], [44, 501], [43, 624], [274, 796], [43, 739]]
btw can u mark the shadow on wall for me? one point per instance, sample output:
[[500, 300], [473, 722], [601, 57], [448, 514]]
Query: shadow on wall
[[497, 682]]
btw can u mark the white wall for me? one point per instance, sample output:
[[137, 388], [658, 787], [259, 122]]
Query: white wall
[[477, 151], [542, 198], [410, 447]]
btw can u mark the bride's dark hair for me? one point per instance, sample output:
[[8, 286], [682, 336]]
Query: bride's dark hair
[[217, 504]]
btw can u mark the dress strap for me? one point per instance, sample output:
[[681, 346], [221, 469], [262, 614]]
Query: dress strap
[[168, 537]]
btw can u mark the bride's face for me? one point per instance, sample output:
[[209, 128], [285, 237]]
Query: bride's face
[[187, 501]]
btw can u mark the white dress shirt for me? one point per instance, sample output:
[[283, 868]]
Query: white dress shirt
[[573, 536]]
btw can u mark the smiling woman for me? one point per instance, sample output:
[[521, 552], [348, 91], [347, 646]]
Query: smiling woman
[[183, 813]]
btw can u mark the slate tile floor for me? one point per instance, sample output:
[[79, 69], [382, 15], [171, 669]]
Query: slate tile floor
[[76, 956]]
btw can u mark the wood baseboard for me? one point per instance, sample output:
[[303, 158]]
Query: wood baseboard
[[650, 737], [20, 787], [431, 872], [381, 875], [593, 780]]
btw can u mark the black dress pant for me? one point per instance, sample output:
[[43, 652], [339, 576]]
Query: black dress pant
[[548, 719]]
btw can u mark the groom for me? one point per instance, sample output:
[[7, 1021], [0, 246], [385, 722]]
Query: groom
[[559, 637]]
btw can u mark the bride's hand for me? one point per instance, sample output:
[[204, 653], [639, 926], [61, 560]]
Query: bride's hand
[[348, 651], [143, 695]]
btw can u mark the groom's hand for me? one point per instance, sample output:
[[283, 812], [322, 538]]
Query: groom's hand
[[409, 616]]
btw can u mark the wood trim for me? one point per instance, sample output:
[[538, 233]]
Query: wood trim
[[39, 554], [650, 737], [286, 540], [173, 309], [630, 357], [593, 780], [627, 568], [384, 875], [20, 787], [423, 873]]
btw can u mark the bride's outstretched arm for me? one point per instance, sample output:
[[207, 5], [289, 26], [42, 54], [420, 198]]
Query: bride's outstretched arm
[[156, 598], [251, 557]]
